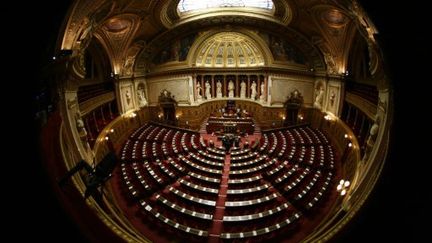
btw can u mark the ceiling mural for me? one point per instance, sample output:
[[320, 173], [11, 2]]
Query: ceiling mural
[[283, 50], [175, 51]]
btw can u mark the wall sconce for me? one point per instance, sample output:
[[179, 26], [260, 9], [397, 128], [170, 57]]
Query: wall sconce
[[301, 117], [350, 144], [343, 187], [106, 138], [112, 130]]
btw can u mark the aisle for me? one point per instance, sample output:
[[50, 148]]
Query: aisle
[[217, 226]]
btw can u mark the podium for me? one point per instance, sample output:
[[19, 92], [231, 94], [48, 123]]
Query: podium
[[230, 106], [229, 128]]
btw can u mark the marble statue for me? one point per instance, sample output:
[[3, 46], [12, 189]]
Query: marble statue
[[207, 90], [80, 127], [198, 90], [319, 98], [332, 98], [253, 90], [262, 92], [373, 133], [218, 89], [128, 65], [141, 98], [128, 97], [330, 62], [243, 90], [231, 89], [81, 130]]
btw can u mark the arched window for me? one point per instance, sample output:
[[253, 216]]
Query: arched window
[[190, 5]]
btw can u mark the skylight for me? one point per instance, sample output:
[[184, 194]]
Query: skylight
[[190, 5]]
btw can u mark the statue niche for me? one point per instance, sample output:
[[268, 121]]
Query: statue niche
[[142, 101], [319, 98], [168, 105]]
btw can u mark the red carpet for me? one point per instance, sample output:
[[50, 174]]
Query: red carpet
[[216, 228]]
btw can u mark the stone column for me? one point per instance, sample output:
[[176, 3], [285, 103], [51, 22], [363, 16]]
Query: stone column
[[263, 94], [224, 87], [89, 130], [191, 89], [269, 85], [213, 86], [95, 121], [102, 114], [237, 86], [349, 113], [110, 110], [248, 84], [355, 119]]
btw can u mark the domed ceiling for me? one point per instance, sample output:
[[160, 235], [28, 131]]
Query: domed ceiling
[[190, 5], [229, 49]]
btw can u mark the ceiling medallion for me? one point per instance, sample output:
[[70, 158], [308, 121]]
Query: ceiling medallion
[[334, 18], [117, 24]]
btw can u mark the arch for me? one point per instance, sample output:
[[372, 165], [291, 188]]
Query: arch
[[191, 5], [227, 48]]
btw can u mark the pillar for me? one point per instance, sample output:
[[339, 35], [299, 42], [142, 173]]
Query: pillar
[[248, 85], [88, 128], [110, 110], [224, 86], [102, 114], [95, 121]]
